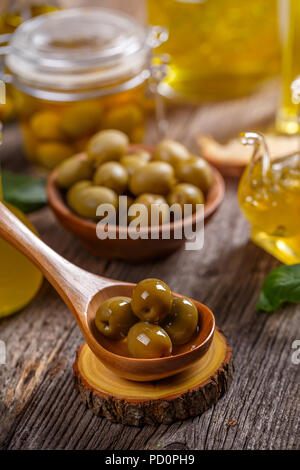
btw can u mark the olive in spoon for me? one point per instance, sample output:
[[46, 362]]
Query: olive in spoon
[[83, 292]]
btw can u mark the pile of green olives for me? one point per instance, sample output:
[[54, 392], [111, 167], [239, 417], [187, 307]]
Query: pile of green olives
[[152, 321], [169, 177]]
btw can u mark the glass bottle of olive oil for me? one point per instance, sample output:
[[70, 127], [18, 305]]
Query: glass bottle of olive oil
[[287, 116], [217, 48], [20, 280]]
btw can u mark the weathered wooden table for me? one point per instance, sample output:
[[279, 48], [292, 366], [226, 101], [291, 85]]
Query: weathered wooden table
[[39, 405]]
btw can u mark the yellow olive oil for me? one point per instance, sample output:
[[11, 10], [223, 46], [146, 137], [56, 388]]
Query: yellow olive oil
[[20, 280], [217, 48], [287, 115], [271, 203]]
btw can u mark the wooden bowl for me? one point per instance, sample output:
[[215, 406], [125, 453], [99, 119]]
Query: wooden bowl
[[138, 250], [115, 355]]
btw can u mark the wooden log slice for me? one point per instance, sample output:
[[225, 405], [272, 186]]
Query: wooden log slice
[[182, 396]]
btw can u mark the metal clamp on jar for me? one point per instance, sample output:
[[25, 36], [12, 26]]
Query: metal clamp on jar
[[78, 71]]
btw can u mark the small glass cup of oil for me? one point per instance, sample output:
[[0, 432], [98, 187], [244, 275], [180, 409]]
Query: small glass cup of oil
[[269, 196]]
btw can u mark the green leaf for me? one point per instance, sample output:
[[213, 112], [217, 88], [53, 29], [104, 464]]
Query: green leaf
[[24, 192], [281, 285]]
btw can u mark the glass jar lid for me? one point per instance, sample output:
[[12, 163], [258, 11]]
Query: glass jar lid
[[78, 49]]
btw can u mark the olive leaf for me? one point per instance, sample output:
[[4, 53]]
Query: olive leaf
[[24, 192], [281, 285]]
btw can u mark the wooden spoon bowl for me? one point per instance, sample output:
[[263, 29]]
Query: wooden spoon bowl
[[83, 292], [115, 354], [141, 249]]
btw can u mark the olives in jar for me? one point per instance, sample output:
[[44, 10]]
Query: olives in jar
[[114, 317], [124, 117], [81, 119], [45, 125], [171, 152], [157, 210], [84, 200], [148, 341], [155, 177], [151, 300], [182, 321], [50, 154], [185, 193], [107, 145], [71, 170], [112, 175], [195, 171]]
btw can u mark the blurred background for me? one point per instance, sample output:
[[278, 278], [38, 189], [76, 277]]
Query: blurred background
[[217, 49]]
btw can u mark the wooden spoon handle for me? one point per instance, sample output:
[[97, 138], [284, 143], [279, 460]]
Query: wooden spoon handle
[[74, 285]]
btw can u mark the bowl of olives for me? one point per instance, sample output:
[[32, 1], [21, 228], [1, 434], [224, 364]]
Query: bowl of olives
[[154, 331], [154, 177]]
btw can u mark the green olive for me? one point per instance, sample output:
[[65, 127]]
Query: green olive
[[147, 341], [46, 126], [124, 117], [142, 154], [114, 317], [25, 105], [7, 109], [151, 300], [84, 200], [132, 162], [71, 170], [80, 119], [195, 171], [155, 177], [112, 175], [185, 193], [157, 209], [107, 145], [73, 195], [50, 154], [182, 321], [171, 152]]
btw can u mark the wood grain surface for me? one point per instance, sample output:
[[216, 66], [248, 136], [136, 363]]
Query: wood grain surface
[[39, 405]]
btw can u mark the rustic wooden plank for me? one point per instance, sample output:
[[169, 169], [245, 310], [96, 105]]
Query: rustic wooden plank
[[39, 405], [44, 410]]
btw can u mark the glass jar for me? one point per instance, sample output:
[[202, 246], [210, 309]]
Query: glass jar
[[269, 196], [218, 48], [12, 13], [78, 71]]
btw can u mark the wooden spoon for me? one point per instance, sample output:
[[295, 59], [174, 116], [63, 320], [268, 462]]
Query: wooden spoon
[[83, 292]]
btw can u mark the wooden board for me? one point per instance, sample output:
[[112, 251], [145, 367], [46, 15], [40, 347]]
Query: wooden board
[[182, 396], [40, 407]]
